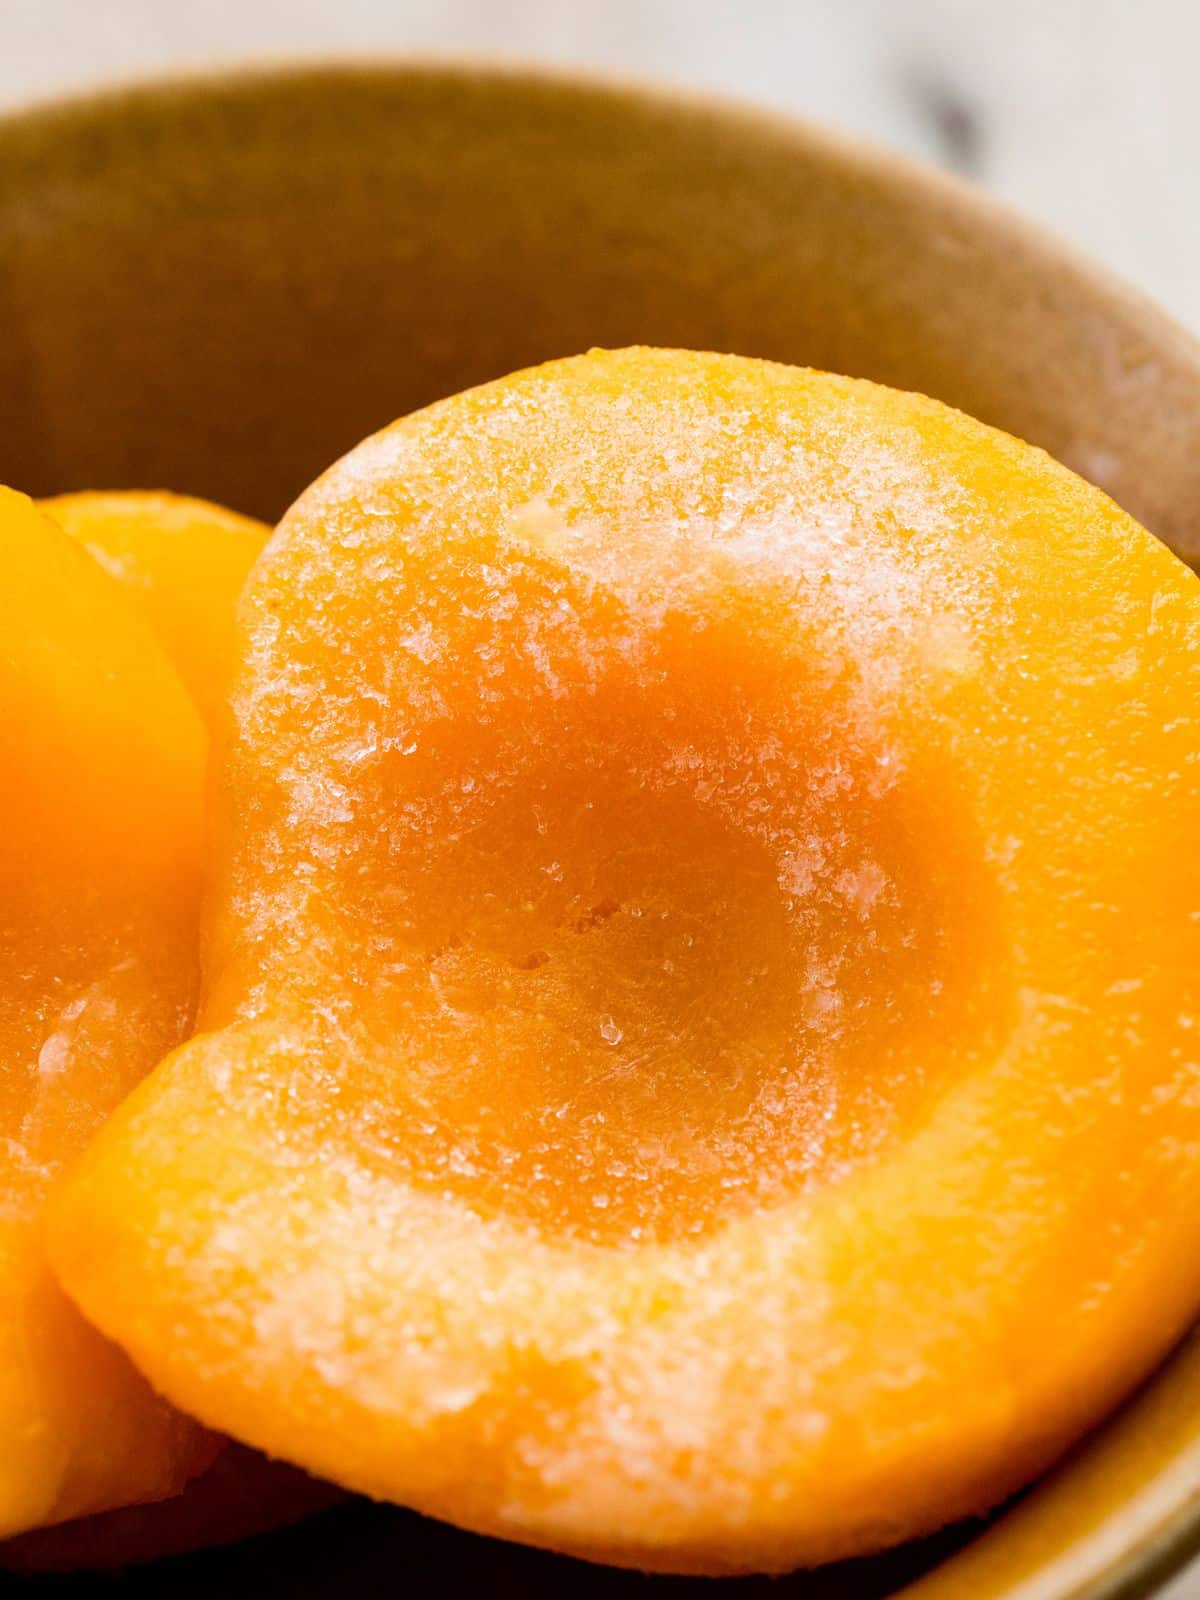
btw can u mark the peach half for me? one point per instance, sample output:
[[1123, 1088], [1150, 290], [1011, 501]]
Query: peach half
[[699, 1065]]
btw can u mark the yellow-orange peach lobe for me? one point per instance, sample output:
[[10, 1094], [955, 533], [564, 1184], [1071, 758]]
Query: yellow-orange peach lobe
[[101, 756], [183, 560], [700, 1059]]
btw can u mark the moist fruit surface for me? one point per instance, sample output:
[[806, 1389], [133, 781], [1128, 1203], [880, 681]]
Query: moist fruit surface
[[699, 1063], [101, 753], [183, 559]]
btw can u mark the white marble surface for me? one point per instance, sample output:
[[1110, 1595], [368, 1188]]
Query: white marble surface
[[1084, 113]]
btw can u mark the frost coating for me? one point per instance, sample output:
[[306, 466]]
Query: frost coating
[[618, 806], [691, 831]]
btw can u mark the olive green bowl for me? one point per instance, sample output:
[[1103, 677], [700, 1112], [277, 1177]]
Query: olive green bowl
[[218, 284]]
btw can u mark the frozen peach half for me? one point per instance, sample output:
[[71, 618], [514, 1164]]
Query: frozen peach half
[[101, 754], [183, 562], [184, 559], [700, 1055]]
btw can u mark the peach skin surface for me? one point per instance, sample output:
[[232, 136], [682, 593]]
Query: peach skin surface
[[184, 559], [699, 1061], [183, 562], [103, 756]]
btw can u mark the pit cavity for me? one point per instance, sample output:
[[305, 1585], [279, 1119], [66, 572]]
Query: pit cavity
[[634, 975]]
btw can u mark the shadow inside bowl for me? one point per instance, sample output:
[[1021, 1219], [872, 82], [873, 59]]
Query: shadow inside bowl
[[364, 1549]]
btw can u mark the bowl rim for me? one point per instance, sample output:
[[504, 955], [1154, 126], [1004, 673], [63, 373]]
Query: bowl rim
[[1173, 1539], [1150, 1564], [847, 149]]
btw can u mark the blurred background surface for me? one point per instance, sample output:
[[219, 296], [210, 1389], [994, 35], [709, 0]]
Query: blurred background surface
[[1083, 113]]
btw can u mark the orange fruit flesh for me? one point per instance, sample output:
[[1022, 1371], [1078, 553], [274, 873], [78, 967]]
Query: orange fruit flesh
[[702, 971], [183, 560], [102, 757]]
